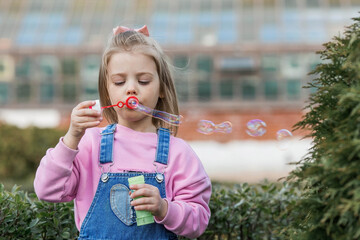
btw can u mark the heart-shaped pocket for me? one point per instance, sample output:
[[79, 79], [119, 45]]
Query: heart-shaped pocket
[[120, 203]]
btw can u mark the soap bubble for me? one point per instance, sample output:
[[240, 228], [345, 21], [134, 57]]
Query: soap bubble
[[205, 127], [283, 137], [208, 127], [256, 128]]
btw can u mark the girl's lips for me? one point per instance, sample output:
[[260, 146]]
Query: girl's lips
[[132, 102]]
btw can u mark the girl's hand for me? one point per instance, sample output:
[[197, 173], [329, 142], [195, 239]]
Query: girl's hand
[[150, 200], [81, 118]]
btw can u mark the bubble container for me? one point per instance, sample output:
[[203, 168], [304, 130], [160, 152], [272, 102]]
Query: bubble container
[[142, 217], [97, 106]]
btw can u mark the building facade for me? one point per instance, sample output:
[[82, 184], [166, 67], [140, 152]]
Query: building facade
[[233, 59]]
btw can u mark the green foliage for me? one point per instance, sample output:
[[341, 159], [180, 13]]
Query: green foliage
[[239, 212], [329, 174], [250, 212], [23, 216], [22, 149]]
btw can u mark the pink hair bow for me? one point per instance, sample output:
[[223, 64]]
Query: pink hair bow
[[121, 29]]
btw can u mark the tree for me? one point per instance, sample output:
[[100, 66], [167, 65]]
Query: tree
[[329, 175]]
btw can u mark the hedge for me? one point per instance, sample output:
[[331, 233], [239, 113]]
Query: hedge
[[241, 211], [22, 149]]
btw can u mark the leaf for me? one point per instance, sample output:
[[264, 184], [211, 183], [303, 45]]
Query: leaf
[[33, 223], [65, 235]]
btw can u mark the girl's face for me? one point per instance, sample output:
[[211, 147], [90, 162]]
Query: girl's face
[[133, 74]]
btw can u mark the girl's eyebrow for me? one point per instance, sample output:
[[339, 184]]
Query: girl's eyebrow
[[144, 73], [118, 74], [124, 74]]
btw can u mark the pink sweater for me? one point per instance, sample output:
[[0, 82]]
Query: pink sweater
[[65, 174]]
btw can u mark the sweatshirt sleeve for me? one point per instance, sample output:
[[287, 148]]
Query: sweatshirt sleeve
[[188, 206], [56, 177]]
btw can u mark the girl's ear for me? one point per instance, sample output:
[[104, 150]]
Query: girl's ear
[[161, 94]]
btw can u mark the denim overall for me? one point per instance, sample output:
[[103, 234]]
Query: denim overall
[[110, 215]]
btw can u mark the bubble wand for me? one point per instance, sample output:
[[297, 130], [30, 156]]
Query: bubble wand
[[133, 103]]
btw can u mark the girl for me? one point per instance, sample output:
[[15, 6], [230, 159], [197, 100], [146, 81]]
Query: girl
[[92, 165]]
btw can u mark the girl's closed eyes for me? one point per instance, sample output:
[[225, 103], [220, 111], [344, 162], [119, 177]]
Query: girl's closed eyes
[[118, 80], [143, 79]]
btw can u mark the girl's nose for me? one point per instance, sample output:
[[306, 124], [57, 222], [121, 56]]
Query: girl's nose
[[131, 90]]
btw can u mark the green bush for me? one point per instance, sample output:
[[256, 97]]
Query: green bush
[[330, 174], [22, 149], [239, 212], [250, 211], [22, 217]]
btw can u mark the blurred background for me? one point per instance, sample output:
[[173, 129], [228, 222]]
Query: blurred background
[[236, 60]]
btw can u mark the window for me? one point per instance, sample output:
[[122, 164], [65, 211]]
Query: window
[[181, 63], [90, 91], [270, 63], [315, 26], [47, 92], [227, 88], [269, 33], [204, 90], [292, 27], [159, 25], [293, 65], [73, 35], [48, 67], [89, 76], [313, 62], [237, 64], [271, 89], [184, 32], [204, 64], [293, 87], [48, 70], [4, 92], [27, 34], [182, 89], [53, 25], [90, 68], [248, 89], [69, 92], [23, 92], [69, 67], [23, 67], [227, 27]]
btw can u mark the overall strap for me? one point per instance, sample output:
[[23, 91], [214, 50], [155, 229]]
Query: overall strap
[[106, 144], [162, 151]]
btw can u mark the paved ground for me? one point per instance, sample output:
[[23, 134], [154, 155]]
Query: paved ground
[[249, 161]]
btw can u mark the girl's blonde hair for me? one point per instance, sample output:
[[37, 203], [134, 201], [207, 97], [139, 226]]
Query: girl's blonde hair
[[132, 41]]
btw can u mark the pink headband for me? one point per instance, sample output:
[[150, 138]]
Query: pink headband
[[121, 29]]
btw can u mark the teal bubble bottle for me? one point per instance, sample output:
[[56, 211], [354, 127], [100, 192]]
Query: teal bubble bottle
[[142, 217]]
